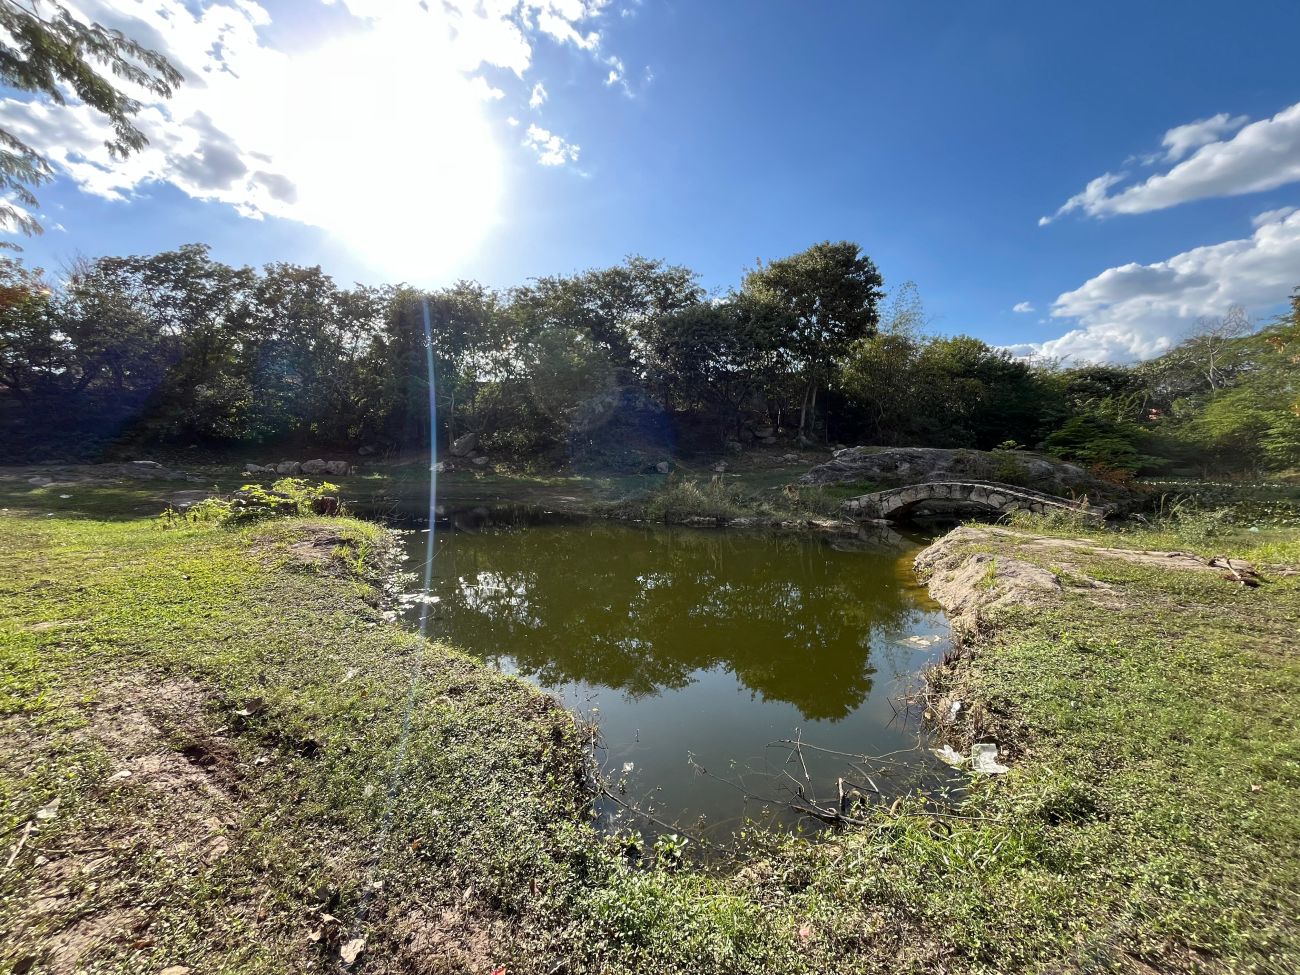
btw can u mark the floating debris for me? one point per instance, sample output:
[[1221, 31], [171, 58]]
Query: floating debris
[[919, 642], [949, 756]]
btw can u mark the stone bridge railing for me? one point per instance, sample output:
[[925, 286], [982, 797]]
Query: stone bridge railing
[[897, 503]]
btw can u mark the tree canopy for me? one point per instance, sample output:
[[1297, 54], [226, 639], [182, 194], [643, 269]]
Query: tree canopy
[[43, 50], [608, 365]]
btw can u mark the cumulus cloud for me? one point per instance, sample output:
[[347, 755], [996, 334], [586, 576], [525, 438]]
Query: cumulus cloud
[[1260, 156], [538, 96], [1136, 311], [387, 112], [550, 148], [1022, 307]]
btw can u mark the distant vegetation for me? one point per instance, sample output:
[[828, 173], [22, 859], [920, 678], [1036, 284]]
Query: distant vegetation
[[615, 367]]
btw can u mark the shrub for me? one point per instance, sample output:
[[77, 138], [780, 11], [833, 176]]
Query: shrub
[[287, 498], [681, 500]]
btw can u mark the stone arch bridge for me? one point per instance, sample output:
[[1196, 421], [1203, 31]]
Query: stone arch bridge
[[897, 503]]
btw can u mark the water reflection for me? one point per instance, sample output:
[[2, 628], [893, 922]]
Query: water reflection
[[689, 643], [641, 610]]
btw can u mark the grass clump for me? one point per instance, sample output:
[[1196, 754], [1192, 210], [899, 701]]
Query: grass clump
[[684, 500]]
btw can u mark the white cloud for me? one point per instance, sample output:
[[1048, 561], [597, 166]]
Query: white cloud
[[1182, 139], [1260, 156], [550, 148], [538, 97], [1272, 216], [1139, 310], [378, 133], [1022, 307], [617, 72]]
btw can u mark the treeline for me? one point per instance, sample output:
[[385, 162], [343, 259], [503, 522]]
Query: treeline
[[609, 366]]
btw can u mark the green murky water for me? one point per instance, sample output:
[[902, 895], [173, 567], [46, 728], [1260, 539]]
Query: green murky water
[[694, 651]]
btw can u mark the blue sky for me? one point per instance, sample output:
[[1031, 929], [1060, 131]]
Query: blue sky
[[388, 142]]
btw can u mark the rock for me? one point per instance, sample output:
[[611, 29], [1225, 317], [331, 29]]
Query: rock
[[365, 450], [464, 445], [790, 458], [733, 447], [764, 433], [288, 467], [663, 467], [442, 467], [890, 467], [40, 481], [720, 467], [479, 461], [148, 463], [339, 468], [317, 466], [325, 506], [767, 440]]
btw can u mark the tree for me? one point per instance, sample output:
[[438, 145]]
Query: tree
[[978, 396], [830, 294], [40, 54], [32, 353], [712, 358]]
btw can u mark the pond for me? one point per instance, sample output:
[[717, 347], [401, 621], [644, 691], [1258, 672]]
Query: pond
[[696, 653]]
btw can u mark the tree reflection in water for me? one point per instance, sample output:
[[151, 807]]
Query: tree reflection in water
[[642, 610], [694, 649]]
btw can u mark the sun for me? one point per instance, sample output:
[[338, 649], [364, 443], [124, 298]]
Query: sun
[[390, 146]]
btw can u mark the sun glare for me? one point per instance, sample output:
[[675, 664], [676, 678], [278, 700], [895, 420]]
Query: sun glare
[[389, 144]]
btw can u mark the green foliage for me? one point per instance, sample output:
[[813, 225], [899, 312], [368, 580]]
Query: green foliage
[[683, 500], [49, 53], [606, 367], [829, 296], [1095, 441]]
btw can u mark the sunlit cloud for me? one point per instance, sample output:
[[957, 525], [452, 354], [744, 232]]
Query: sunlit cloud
[[1228, 157], [550, 148], [383, 134], [1135, 311]]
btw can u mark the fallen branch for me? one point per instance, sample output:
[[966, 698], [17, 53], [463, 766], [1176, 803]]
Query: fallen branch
[[18, 847]]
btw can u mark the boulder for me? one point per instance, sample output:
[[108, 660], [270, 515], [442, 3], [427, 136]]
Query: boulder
[[338, 468], [763, 433], [663, 467], [720, 467], [479, 461], [464, 445], [365, 450], [790, 458], [891, 467], [289, 468], [317, 466], [732, 447]]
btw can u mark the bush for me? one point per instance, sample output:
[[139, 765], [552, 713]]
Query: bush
[[287, 498], [682, 500]]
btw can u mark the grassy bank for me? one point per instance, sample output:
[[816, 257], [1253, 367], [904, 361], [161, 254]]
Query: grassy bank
[[306, 779]]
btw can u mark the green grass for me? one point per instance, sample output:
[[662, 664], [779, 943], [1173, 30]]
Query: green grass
[[250, 683]]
